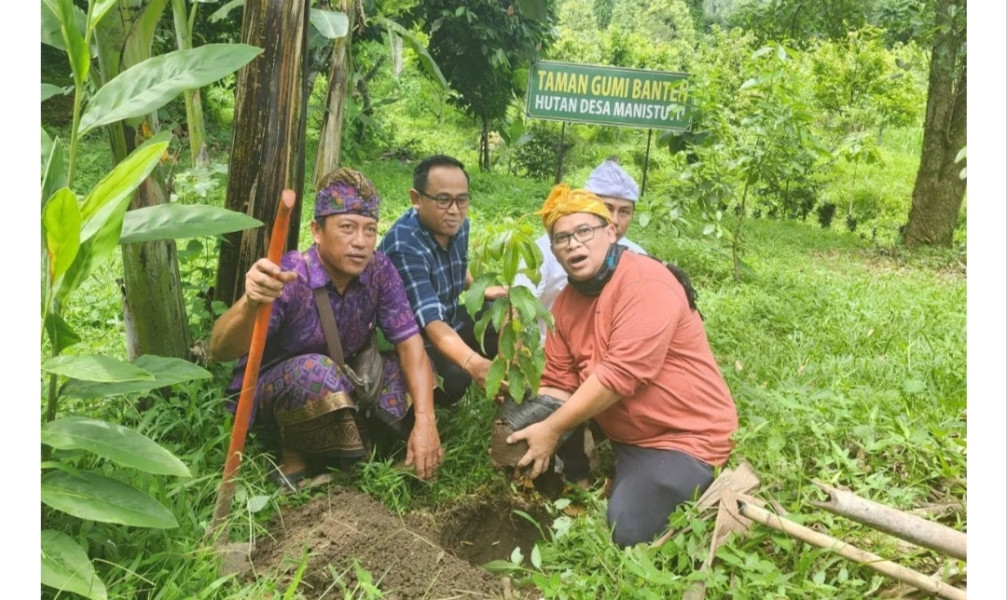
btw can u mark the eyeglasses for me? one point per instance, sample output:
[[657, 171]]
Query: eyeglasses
[[581, 234], [444, 201]]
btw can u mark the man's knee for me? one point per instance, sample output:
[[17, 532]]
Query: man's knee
[[633, 520], [454, 383]]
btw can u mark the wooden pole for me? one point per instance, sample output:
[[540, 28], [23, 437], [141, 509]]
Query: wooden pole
[[646, 163], [225, 494], [911, 528], [885, 567], [559, 154]]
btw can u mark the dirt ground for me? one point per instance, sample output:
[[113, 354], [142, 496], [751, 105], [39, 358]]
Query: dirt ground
[[417, 555]]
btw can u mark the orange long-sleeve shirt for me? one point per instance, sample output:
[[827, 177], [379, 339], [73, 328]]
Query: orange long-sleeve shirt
[[642, 341]]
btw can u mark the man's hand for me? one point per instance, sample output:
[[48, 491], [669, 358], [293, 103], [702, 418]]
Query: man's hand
[[495, 291], [478, 369], [264, 282], [424, 448], [542, 441]]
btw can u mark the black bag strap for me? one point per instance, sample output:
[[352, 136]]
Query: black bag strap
[[328, 319]]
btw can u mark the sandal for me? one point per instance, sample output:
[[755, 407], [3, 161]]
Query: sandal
[[285, 480]]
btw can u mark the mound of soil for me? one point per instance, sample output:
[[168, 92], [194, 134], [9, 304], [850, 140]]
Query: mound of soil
[[417, 555]]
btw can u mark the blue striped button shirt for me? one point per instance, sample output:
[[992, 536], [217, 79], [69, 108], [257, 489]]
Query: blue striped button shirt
[[434, 277]]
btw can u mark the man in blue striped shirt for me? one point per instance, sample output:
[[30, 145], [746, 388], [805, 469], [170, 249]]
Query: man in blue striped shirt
[[429, 247]]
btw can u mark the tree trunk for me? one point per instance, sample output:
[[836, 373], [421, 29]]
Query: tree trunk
[[153, 305], [396, 54], [267, 151], [484, 146], [330, 138], [938, 193], [152, 300]]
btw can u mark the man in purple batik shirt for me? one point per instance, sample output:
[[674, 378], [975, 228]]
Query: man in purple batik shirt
[[302, 397]]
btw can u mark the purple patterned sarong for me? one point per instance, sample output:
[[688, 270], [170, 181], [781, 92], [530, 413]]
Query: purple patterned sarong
[[308, 399]]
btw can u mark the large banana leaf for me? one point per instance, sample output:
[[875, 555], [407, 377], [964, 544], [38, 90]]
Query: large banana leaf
[[66, 567], [166, 371], [330, 23], [95, 368], [174, 221], [98, 498], [114, 442], [145, 87], [427, 61]]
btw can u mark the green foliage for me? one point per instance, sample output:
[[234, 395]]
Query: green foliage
[[151, 84], [503, 252], [536, 156]]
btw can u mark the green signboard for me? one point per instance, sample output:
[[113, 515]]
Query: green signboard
[[609, 95]]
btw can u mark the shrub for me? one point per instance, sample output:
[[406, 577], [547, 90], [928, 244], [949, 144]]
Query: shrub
[[537, 155], [825, 213]]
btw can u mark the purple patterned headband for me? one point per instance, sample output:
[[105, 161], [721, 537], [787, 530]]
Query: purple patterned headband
[[347, 191]]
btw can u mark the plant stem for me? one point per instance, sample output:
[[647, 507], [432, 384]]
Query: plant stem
[[78, 98]]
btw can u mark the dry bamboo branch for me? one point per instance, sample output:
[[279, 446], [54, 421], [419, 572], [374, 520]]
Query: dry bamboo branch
[[908, 527], [885, 567]]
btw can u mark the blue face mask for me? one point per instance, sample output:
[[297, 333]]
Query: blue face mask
[[594, 285]]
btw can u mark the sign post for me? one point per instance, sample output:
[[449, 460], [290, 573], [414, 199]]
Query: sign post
[[609, 96]]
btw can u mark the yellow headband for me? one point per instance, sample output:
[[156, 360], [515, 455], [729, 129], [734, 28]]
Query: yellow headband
[[563, 201]]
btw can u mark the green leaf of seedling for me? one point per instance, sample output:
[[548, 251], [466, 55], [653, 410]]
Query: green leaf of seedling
[[506, 343], [66, 567], [99, 498], [495, 376], [95, 368], [151, 84], [166, 371], [114, 442], [516, 384], [525, 302], [330, 23], [474, 297], [498, 311], [517, 557], [176, 221]]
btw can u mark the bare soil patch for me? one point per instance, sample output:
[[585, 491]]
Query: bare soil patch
[[416, 555]]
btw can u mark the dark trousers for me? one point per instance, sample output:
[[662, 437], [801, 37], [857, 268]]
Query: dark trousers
[[649, 485], [454, 379]]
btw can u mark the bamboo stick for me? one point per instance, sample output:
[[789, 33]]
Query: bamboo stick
[[885, 567], [225, 494], [908, 527]]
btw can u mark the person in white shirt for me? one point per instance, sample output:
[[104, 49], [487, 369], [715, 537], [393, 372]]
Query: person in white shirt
[[619, 192]]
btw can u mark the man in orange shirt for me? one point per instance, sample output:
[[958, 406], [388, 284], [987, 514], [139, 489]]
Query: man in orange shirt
[[629, 350]]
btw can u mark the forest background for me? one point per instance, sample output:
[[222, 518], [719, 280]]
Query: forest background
[[977, 257]]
